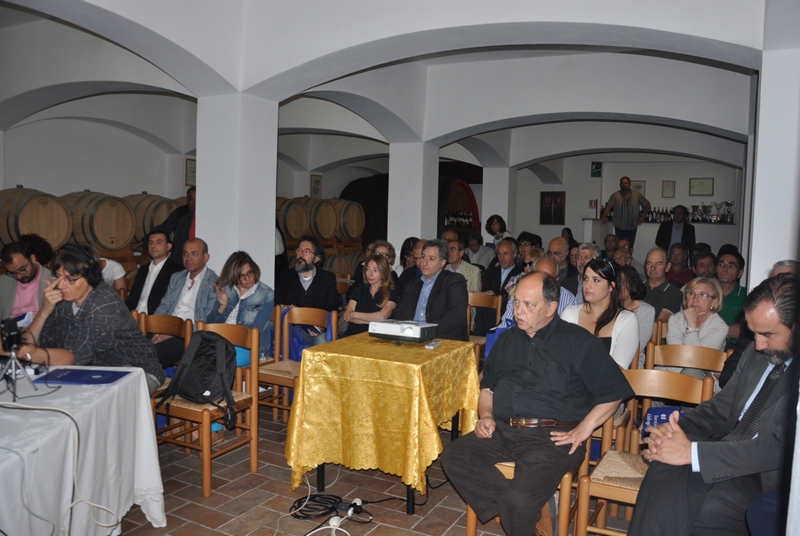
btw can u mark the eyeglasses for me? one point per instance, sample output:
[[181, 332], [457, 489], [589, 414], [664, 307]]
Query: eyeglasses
[[626, 246], [246, 275], [525, 244], [22, 271], [728, 265], [304, 251], [527, 264], [702, 295], [555, 253], [381, 254], [68, 279]]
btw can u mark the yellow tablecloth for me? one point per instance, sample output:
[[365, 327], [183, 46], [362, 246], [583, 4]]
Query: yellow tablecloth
[[368, 403]]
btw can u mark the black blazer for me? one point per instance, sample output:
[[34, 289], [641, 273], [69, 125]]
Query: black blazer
[[157, 292], [447, 305], [491, 279], [321, 294], [664, 235]]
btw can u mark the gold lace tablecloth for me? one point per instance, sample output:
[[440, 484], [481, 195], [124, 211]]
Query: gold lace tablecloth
[[369, 403]]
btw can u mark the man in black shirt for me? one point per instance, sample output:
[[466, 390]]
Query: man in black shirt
[[547, 385]]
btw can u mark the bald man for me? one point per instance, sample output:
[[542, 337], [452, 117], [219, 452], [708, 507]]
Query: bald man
[[558, 250], [190, 295]]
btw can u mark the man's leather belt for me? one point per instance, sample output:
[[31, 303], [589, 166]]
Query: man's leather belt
[[540, 423]]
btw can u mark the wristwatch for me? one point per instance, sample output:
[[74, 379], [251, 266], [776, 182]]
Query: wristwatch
[[691, 330]]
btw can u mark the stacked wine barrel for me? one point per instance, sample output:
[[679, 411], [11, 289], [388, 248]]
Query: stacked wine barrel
[[337, 223]]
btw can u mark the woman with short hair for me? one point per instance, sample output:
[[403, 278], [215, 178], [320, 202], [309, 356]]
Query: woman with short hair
[[83, 321], [244, 300]]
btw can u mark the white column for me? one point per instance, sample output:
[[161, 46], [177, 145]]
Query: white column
[[237, 141], [413, 191], [499, 197], [776, 195], [2, 161]]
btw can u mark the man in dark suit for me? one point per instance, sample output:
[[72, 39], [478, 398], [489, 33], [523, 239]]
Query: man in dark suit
[[152, 279], [438, 296], [709, 465], [497, 277], [677, 230]]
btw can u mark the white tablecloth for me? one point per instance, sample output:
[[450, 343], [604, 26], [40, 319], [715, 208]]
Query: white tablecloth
[[117, 462]]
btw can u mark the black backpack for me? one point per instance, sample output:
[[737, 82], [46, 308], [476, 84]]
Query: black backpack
[[205, 375]]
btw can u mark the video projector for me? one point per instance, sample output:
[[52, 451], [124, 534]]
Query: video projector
[[403, 330]]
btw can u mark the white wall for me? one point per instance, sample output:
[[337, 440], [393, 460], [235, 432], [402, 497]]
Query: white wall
[[60, 156]]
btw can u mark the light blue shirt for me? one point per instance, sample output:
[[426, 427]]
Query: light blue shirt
[[424, 294], [504, 274], [677, 234], [695, 459]]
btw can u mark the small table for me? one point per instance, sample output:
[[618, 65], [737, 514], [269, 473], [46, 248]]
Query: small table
[[369, 403], [117, 461]]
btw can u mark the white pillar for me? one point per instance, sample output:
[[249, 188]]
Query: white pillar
[[776, 195], [2, 161], [499, 197], [237, 147], [413, 191]]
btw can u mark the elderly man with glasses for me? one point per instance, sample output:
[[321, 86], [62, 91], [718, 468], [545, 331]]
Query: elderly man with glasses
[[558, 249], [22, 289]]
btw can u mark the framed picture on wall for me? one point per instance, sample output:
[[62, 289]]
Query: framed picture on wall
[[315, 189], [638, 186], [552, 208], [667, 188], [190, 172], [701, 186]]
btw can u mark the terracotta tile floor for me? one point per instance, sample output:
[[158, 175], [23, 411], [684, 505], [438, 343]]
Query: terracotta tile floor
[[257, 504]]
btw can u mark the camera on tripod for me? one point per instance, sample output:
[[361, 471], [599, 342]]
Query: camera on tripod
[[11, 336]]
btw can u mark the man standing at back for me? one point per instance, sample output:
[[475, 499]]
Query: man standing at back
[[152, 279], [22, 287], [437, 296], [676, 231], [308, 285], [190, 295], [630, 209]]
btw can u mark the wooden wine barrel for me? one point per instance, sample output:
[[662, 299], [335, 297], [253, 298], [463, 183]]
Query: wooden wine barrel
[[149, 211], [292, 218], [100, 220], [338, 263], [351, 218], [24, 211], [322, 217], [355, 259]]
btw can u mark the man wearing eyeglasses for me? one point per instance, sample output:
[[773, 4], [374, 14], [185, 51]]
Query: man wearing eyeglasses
[[586, 252], [22, 288], [624, 245], [455, 263], [730, 268], [558, 249]]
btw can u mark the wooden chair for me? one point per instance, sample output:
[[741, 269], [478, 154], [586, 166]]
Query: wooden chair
[[618, 475], [684, 355], [135, 315], [165, 325], [566, 508], [489, 301], [123, 293], [282, 373], [343, 283], [659, 332], [277, 313], [202, 415]]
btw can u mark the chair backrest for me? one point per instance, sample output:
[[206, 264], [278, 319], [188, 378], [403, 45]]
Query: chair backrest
[[308, 316], [635, 362], [648, 384], [490, 301], [135, 315], [343, 283], [166, 325], [659, 332], [683, 355], [123, 293], [277, 319]]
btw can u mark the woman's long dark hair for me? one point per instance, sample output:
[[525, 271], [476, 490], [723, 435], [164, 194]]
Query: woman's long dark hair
[[607, 270]]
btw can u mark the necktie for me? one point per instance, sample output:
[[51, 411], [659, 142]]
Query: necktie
[[747, 427]]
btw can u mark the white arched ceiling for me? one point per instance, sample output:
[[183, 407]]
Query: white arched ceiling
[[310, 115], [467, 99], [167, 121], [313, 152], [539, 143], [45, 63], [199, 48]]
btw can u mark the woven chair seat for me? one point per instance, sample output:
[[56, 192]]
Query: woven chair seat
[[162, 387], [476, 339], [620, 469], [623, 419], [283, 369], [182, 403]]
